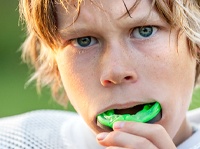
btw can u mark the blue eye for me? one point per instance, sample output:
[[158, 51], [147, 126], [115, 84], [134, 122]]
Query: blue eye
[[144, 32], [84, 41]]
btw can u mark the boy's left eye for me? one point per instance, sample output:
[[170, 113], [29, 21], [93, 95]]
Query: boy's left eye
[[144, 32], [84, 41]]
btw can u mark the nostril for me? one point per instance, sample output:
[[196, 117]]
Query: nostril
[[107, 82], [128, 78], [112, 78]]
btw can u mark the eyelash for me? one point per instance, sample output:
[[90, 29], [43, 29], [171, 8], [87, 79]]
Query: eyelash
[[134, 32], [76, 41]]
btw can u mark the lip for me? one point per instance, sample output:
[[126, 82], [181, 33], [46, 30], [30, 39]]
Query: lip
[[106, 125], [122, 106]]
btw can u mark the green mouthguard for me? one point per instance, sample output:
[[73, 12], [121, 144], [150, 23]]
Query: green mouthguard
[[148, 112]]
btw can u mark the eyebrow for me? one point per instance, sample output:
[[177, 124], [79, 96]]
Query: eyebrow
[[72, 32], [77, 29]]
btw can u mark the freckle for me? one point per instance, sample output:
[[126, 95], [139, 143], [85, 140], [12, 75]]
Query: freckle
[[80, 52]]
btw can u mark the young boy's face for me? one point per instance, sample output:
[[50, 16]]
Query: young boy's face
[[110, 62]]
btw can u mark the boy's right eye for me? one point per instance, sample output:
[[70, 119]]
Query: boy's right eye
[[84, 41], [144, 32]]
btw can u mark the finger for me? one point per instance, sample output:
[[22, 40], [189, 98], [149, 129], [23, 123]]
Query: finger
[[115, 147], [155, 133], [124, 140]]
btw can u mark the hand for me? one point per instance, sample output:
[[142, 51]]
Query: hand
[[132, 135]]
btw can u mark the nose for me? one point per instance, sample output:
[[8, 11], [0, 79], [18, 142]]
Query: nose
[[114, 77], [117, 68]]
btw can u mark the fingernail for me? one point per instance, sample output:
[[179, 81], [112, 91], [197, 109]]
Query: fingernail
[[118, 125], [102, 136]]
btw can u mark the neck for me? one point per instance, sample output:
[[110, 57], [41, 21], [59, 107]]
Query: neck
[[183, 133]]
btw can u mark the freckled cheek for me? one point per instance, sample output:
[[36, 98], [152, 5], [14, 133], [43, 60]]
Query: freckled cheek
[[172, 77], [178, 79], [76, 78], [170, 73], [81, 92], [71, 79]]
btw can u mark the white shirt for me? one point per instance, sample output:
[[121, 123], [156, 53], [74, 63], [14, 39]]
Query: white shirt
[[194, 141], [54, 129]]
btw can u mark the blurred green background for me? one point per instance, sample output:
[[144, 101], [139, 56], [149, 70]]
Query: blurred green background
[[14, 97]]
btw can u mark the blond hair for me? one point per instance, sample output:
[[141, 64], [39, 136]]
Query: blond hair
[[42, 35]]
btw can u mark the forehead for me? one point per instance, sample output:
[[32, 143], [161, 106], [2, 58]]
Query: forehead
[[110, 9]]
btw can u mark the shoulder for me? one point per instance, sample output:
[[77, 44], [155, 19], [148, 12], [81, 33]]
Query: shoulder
[[37, 129], [38, 119], [46, 129], [192, 142], [40, 115], [194, 116]]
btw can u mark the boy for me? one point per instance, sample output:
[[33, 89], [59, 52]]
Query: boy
[[113, 55]]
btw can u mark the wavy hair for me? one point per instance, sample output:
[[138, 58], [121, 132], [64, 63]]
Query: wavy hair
[[39, 17]]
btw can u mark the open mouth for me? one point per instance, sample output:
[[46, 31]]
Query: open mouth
[[145, 113], [132, 110]]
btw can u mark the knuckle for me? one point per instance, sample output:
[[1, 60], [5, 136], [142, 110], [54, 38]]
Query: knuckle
[[114, 137], [141, 142], [110, 147], [155, 129], [158, 128], [144, 143]]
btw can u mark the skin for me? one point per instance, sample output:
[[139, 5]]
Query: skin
[[120, 69]]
